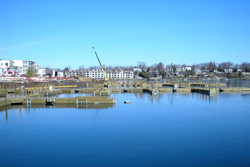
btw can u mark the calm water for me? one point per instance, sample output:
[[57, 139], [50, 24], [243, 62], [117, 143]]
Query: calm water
[[165, 130]]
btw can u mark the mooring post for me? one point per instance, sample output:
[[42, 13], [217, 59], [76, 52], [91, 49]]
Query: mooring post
[[42, 88], [6, 96], [199, 86], [20, 91]]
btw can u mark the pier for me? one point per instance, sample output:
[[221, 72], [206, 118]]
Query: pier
[[42, 93]]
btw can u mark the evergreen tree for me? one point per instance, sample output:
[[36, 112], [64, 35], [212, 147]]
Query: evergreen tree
[[29, 73]]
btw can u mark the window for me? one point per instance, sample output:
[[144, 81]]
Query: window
[[6, 64]]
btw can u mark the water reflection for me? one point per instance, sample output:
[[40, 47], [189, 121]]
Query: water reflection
[[158, 97], [68, 95], [232, 83], [238, 83], [6, 115], [195, 95]]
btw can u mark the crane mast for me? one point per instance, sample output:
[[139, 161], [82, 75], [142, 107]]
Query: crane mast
[[105, 78]]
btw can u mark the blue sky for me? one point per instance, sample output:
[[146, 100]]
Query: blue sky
[[61, 33]]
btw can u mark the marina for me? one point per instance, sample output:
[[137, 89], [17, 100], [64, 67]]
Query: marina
[[165, 129], [125, 83], [41, 93], [150, 123]]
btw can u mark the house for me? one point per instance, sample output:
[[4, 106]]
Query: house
[[205, 70], [178, 69], [41, 72], [197, 70], [137, 70], [187, 68], [153, 73], [57, 73], [228, 70], [169, 69]]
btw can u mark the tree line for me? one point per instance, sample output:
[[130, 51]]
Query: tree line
[[211, 66]]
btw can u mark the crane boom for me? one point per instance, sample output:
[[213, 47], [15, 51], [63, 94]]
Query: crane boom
[[105, 78]]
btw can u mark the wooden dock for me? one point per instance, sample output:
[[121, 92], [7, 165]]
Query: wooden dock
[[51, 101], [42, 94]]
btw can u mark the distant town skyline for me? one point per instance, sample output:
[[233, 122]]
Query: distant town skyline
[[62, 33]]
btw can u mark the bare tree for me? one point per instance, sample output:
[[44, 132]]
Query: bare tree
[[230, 64], [81, 67], [69, 67], [193, 67], [245, 66], [225, 65], [129, 68], [160, 67], [142, 65], [116, 67], [184, 65], [153, 67]]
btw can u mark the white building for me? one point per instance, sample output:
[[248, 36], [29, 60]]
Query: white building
[[6, 63], [137, 70], [169, 69], [178, 69], [98, 74], [57, 73], [120, 74], [187, 68], [197, 70], [228, 70], [41, 72], [1, 71], [21, 66]]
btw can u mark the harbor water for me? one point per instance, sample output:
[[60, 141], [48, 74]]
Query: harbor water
[[172, 129]]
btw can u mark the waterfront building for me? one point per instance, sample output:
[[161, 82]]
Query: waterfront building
[[20, 66], [98, 74], [41, 72], [6, 63]]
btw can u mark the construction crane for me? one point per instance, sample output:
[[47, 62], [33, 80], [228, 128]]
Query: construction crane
[[105, 78]]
